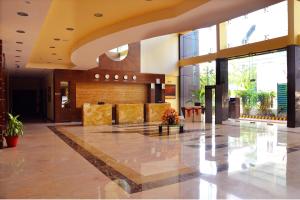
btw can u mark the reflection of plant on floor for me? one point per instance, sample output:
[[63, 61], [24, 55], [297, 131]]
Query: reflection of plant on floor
[[265, 103]]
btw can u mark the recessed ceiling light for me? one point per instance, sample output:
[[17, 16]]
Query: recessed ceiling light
[[17, 56], [54, 54], [17, 61], [20, 31], [52, 47], [28, 2], [59, 59], [98, 15], [18, 66], [70, 29], [18, 50], [19, 42], [23, 14], [56, 39], [49, 62]]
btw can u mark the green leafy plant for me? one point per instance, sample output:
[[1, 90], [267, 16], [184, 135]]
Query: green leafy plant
[[265, 100], [15, 127]]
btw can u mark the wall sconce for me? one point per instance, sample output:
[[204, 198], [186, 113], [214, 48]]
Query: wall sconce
[[97, 76], [157, 81], [152, 86], [163, 86]]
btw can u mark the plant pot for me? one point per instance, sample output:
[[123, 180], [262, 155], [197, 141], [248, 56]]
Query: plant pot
[[11, 141]]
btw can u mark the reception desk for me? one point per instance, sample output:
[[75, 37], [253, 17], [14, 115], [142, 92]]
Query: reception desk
[[129, 113], [155, 111], [94, 115]]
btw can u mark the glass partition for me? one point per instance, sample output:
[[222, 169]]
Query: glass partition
[[261, 83]]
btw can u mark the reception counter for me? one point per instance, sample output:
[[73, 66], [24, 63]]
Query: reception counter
[[155, 111], [93, 114], [129, 113]]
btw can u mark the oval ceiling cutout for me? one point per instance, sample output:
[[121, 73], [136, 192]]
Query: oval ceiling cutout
[[119, 53]]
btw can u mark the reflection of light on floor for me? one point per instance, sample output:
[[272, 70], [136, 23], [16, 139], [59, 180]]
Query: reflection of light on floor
[[207, 190], [205, 166], [261, 155]]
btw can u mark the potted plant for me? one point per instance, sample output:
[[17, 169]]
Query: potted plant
[[13, 131]]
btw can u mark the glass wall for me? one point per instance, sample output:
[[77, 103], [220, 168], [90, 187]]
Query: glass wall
[[261, 83], [267, 23], [193, 81], [198, 42]]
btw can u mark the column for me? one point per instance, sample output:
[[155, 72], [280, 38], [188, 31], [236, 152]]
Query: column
[[222, 79], [293, 86]]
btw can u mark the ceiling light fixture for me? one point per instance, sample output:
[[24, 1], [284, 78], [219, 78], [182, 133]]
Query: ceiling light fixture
[[54, 54], [17, 56], [56, 39], [70, 29], [20, 31], [59, 59], [52, 47], [18, 50], [19, 42], [98, 15], [23, 14]]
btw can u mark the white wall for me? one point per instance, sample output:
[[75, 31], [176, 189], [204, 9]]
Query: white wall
[[159, 55]]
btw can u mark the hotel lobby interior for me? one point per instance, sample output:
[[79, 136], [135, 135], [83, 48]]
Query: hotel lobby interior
[[149, 99]]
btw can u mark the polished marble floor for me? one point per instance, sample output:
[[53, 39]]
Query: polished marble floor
[[236, 160]]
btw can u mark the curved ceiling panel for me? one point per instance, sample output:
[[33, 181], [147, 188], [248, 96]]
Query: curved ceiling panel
[[75, 33]]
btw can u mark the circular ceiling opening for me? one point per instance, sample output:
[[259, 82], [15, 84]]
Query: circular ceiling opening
[[119, 53]]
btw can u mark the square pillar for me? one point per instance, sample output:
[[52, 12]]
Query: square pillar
[[222, 79], [293, 86]]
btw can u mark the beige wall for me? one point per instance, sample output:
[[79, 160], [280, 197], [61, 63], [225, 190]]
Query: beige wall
[[50, 104], [160, 55]]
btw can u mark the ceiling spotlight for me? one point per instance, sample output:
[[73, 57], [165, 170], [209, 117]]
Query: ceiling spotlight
[[59, 59], [23, 14], [28, 2], [19, 42], [54, 54], [18, 66], [56, 39], [52, 47], [18, 50], [70, 29], [17, 56], [20, 31], [98, 15]]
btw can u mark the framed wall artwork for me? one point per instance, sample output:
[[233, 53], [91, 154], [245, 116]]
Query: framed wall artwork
[[170, 91]]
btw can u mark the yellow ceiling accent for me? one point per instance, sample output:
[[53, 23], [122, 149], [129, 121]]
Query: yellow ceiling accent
[[79, 14]]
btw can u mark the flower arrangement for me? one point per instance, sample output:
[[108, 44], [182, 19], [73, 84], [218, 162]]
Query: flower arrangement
[[170, 117]]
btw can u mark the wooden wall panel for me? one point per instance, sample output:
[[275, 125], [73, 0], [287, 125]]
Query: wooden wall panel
[[131, 63], [110, 93]]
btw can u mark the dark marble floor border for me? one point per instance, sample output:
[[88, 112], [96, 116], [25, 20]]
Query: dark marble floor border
[[119, 178], [115, 175]]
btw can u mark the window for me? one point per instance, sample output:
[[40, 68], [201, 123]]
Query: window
[[263, 24]]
